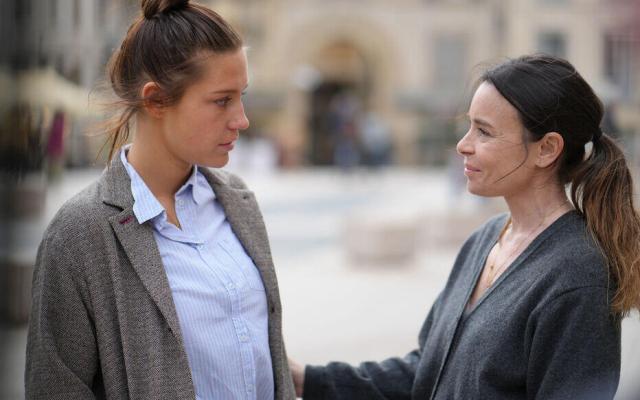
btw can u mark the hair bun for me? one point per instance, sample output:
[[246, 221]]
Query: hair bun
[[151, 8]]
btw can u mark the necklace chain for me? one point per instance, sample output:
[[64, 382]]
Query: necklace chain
[[494, 272]]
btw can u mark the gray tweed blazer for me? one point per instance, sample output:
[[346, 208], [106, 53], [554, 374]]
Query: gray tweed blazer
[[103, 324]]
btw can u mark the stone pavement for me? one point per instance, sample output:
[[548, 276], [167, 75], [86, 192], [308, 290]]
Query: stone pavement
[[342, 299]]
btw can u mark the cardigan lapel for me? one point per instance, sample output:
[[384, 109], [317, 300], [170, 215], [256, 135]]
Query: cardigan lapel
[[138, 242]]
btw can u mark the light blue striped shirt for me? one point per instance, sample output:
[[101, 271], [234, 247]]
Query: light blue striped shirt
[[217, 290]]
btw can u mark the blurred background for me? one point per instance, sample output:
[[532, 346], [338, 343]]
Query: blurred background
[[355, 111]]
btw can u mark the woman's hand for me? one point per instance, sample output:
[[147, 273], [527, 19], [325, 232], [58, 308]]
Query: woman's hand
[[297, 372]]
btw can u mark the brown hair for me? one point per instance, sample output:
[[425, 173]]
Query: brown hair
[[551, 96], [165, 44]]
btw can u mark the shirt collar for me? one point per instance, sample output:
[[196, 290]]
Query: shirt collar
[[198, 186], [145, 204], [202, 190]]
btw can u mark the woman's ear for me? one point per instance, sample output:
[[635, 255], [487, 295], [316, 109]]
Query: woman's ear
[[549, 149], [151, 94]]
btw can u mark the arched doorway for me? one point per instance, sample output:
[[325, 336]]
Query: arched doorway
[[336, 101]]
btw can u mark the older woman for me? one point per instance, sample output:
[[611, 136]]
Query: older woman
[[533, 304]]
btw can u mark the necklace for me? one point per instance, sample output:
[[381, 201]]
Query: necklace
[[494, 271]]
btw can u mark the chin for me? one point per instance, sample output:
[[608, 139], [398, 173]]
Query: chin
[[473, 189], [217, 162], [480, 191]]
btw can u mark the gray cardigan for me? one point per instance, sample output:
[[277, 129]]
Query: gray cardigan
[[543, 331], [103, 323]]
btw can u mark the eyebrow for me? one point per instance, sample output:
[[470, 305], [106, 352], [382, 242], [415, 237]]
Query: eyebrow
[[223, 91], [480, 121]]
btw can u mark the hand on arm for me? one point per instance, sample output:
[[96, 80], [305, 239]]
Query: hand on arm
[[297, 372]]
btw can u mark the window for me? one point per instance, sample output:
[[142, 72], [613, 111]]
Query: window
[[53, 12], [552, 2], [450, 64], [619, 61], [100, 12], [76, 13], [553, 43]]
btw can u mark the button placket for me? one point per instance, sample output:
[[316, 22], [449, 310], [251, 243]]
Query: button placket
[[246, 353]]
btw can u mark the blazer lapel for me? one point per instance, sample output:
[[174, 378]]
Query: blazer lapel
[[241, 210], [141, 248], [243, 214], [139, 243]]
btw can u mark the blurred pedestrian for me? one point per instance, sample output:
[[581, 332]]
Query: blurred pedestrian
[[342, 114], [156, 282], [55, 145], [533, 305], [375, 137]]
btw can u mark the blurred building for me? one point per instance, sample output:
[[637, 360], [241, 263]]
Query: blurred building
[[409, 63], [52, 57], [74, 37], [56, 58], [413, 61]]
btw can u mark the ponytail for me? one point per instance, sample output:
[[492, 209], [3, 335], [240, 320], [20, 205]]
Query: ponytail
[[551, 96], [118, 130], [602, 191]]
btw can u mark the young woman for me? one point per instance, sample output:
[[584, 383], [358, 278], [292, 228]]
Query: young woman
[[156, 282], [533, 305]]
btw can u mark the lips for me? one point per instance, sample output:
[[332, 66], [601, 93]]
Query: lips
[[230, 140], [468, 168], [228, 146]]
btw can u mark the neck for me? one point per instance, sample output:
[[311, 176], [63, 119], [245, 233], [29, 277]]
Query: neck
[[158, 167], [537, 208]]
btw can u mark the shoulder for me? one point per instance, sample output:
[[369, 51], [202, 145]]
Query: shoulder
[[574, 258], [566, 266], [79, 220]]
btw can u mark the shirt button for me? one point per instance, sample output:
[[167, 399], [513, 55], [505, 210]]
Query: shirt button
[[180, 203], [231, 286]]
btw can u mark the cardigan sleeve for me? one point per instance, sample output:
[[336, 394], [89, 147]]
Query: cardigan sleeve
[[62, 359], [391, 379], [574, 351]]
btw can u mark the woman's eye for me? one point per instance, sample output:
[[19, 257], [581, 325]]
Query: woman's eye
[[483, 132], [223, 102]]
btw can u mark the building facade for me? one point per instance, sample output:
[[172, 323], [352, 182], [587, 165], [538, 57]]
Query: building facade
[[413, 62]]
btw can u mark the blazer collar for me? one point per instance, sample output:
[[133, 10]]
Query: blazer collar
[[116, 185], [138, 241]]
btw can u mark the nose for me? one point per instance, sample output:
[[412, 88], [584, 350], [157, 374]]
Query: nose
[[240, 121], [464, 146]]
